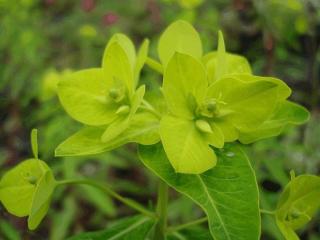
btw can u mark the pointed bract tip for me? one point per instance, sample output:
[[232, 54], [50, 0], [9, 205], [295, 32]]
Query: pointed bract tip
[[221, 45], [292, 175], [34, 142]]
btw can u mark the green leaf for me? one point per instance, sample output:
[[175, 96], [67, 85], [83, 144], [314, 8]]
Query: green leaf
[[126, 45], [84, 96], [34, 142], [26, 189], [228, 193], [285, 114], [180, 37], [117, 67], [144, 129], [184, 85], [233, 64], [141, 59], [245, 104], [298, 204], [186, 147], [137, 227], [123, 122]]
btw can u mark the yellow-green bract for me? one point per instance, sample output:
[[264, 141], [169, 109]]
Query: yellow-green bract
[[107, 96], [211, 99], [26, 190], [215, 99]]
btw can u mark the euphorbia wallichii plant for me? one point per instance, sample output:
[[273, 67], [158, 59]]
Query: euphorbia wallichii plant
[[211, 104]]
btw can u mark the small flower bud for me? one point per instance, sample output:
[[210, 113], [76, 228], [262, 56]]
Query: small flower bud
[[116, 94], [124, 109], [203, 126], [211, 105], [32, 179], [209, 108]]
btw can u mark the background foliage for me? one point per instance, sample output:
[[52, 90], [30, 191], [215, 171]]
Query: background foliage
[[42, 41]]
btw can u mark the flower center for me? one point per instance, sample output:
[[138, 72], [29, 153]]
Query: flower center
[[116, 94], [30, 178], [209, 108]]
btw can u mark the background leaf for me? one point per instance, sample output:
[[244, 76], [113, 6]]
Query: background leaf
[[194, 233], [137, 228]]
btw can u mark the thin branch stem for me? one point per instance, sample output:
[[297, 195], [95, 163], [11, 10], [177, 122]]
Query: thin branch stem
[[153, 64], [186, 225], [267, 212], [147, 106], [162, 205], [104, 187]]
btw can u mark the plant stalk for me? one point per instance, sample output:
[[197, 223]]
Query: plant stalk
[[147, 106], [267, 212], [162, 205], [153, 64]]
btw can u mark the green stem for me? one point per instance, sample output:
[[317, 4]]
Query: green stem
[[104, 187], [267, 212], [153, 64], [162, 205], [147, 106], [186, 225]]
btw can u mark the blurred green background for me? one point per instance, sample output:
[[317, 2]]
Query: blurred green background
[[42, 41]]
